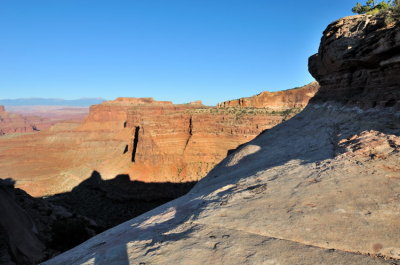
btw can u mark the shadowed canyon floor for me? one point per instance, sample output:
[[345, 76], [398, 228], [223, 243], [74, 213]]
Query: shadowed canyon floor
[[32, 229], [320, 188], [111, 202], [151, 141], [36, 229]]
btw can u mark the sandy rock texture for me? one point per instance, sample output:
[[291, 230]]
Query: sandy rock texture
[[358, 62], [320, 188]]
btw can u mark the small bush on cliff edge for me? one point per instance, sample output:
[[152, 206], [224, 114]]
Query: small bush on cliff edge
[[370, 7], [389, 9]]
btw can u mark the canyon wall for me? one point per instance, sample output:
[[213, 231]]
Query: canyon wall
[[281, 100], [180, 143], [27, 119], [321, 188], [175, 143], [15, 123], [151, 141]]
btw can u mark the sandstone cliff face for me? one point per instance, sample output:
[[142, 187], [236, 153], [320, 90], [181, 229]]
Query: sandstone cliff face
[[321, 188], [183, 143], [174, 143], [358, 62], [152, 141], [58, 159], [281, 100]]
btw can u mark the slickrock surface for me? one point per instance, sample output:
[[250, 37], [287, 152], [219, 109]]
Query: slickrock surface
[[112, 202], [32, 230], [282, 100], [320, 188], [152, 141]]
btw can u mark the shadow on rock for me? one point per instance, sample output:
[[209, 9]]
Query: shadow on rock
[[32, 230], [111, 202]]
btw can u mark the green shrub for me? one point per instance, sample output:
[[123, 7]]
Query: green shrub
[[371, 7], [390, 9]]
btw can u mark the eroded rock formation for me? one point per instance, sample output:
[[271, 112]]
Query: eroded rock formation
[[183, 142], [27, 119], [15, 123], [151, 141], [321, 188], [358, 62], [282, 100]]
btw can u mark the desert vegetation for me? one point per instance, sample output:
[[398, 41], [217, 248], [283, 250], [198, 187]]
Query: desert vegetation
[[389, 9], [247, 111]]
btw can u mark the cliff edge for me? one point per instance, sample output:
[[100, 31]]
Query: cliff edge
[[320, 188], [151, 141], [358, 63], [279, 101]]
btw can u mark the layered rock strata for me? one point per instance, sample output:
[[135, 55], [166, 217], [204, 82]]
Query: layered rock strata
[[151, 141], [321, 188], [183, 143], [15, 123], [358, 62], [282, 100]]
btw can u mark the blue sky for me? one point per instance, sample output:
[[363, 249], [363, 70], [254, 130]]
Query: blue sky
[[179, 50]]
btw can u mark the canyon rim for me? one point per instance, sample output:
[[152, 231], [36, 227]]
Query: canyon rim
[[307, 175], [320, 188]]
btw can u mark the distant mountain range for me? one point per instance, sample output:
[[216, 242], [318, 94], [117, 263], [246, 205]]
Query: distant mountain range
[[83, 102]]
